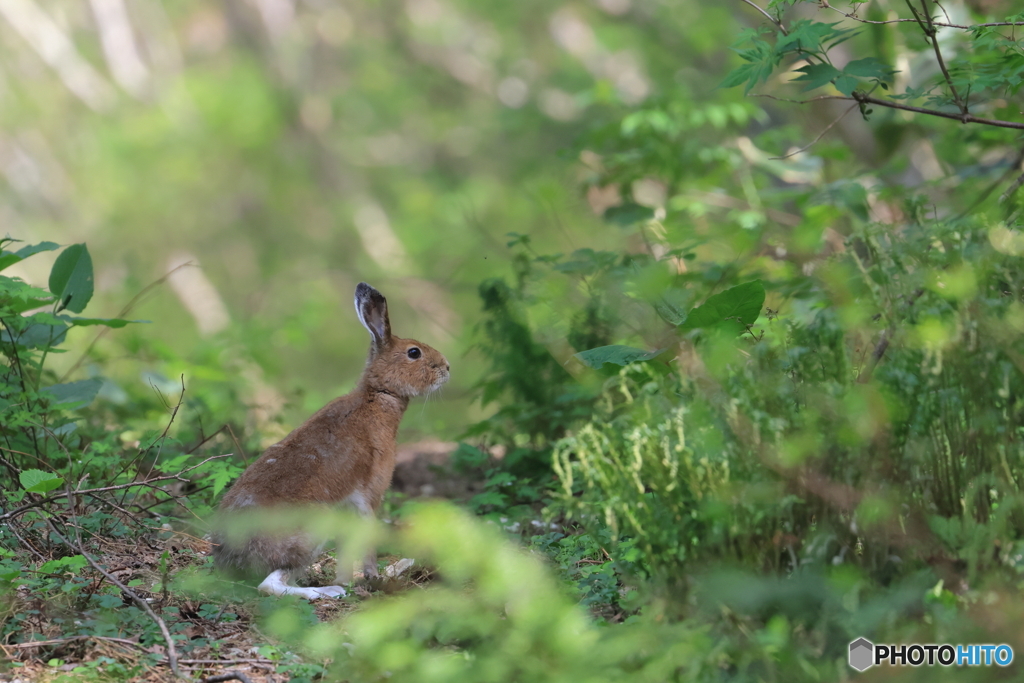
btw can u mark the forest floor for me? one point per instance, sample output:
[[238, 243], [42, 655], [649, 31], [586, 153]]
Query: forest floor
[[221, 638]]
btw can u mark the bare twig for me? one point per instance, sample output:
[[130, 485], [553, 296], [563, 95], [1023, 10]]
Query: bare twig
[[12, 527], [174, 414], [69, 639], [148, 483], [963, 118], [172, 654], [225, 661], [1014, 166], [1012, 188], [141, 451], [241, 451], [883, 342], [770, 17], [126, 513], [928, 28], [854, 17], [858, 96], [820, 135]]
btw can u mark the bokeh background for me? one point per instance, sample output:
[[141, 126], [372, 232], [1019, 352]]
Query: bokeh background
[[287, 149], [264, 156]]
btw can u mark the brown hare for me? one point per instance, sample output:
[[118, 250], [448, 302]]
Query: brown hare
[[344, 454]]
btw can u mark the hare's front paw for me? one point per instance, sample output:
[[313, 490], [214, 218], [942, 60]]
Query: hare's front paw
[[329, 591], [277, 584]]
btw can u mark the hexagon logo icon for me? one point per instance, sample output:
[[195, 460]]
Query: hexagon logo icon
[[862, 653]]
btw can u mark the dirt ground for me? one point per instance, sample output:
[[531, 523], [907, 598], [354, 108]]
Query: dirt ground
[[421, 471]]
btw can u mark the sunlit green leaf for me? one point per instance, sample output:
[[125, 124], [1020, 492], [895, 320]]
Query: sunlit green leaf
[[38, 481], [742, 303]]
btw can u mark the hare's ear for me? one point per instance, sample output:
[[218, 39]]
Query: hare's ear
[[372, 309]]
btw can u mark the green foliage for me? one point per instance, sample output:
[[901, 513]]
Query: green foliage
[[496, 616], [37, 481], [770, 403], [71, 278], [740, 304], [522, 367], [811, 41], [614, 353], [34, 428]]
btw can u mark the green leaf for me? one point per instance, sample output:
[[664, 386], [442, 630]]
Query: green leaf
[[762, 60], [71, 278], [741, 303], [616, 353], [673, 304], [19, 296], [488, 498], [812, 36], [116, 323], [221, 477], [9, 258], [81, 392], [37, 336], [869, 67], [73, 564], [670, 313], [628, 214], [817, 75], [846, 84], [38, 481]]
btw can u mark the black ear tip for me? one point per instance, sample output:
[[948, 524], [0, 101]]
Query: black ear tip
[[367, 294]]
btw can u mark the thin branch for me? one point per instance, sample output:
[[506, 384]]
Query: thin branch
[[1015, 165], [820, 135], [867, 99], [225, 661], [172, 654], [142, 451], [883, 342], [126, 513], [770, 17], [69, 639], [932, 35], [1012, 188], [160, 440], [963, 118], [826, 5], [25, 544], [149, 482]]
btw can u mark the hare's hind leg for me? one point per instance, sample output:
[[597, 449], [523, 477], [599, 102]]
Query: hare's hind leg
[[277, 584], [362, 502], [283, 555]]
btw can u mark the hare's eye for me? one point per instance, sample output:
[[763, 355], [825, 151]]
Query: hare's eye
[[414, 353]]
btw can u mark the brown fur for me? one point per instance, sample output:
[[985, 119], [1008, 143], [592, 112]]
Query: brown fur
[[345, 452]]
